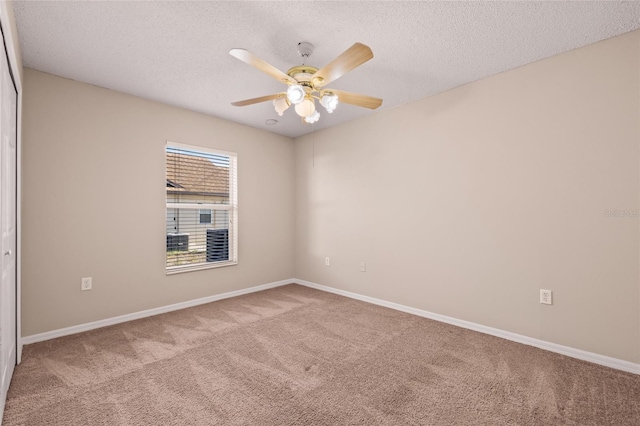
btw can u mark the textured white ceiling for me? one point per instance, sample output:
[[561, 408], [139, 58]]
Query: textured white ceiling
[[177, 52]]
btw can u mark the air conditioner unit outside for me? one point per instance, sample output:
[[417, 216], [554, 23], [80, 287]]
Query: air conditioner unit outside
[[217, 245], [177, 242]]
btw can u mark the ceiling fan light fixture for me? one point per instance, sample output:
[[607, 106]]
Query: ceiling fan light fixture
[[312, 118], [329, 101], [306, 108], [295, 94], [281, 105], [306, 83]]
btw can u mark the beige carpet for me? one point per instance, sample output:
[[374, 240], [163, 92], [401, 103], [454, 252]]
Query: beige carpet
[[297, 356]]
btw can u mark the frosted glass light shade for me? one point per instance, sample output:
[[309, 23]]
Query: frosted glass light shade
[[305, 108], [329, 101], [313, 117], [295, 94], [281, 105]]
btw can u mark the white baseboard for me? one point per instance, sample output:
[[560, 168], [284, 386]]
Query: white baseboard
[[148, 313], [542, 344], [606, 361]]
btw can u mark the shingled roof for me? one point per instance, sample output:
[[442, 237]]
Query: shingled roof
[[192, 175]]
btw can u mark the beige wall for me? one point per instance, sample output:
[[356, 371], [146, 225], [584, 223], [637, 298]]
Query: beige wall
[[94, 195], [468, 202]]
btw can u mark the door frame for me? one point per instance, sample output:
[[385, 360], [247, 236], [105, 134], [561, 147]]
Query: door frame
[[10, 33]]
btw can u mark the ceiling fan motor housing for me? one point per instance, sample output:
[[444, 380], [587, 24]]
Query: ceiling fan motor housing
[[302, 74]]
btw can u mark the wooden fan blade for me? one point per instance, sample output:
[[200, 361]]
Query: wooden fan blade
[[251, 59], [260, 99], [354, 56], [357, 100]]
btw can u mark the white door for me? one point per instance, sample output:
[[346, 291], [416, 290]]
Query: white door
[[8, 140]]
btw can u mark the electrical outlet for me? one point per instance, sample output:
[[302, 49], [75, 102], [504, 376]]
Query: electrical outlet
[[546, 297], [86, 284], [327, 261], [363, 266]]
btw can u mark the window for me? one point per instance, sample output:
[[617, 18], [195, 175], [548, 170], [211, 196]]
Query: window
[[202, 209], [205, 216]]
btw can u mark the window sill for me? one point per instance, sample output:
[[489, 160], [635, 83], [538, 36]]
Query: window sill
[[172, 270]]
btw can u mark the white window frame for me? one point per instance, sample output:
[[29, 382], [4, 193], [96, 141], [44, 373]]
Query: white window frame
[[232, 207]]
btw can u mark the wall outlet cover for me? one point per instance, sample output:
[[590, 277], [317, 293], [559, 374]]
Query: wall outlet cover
[[87, 284], [546, 297]]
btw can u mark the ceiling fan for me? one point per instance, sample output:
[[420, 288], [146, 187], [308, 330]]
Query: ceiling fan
[[307, 83]]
